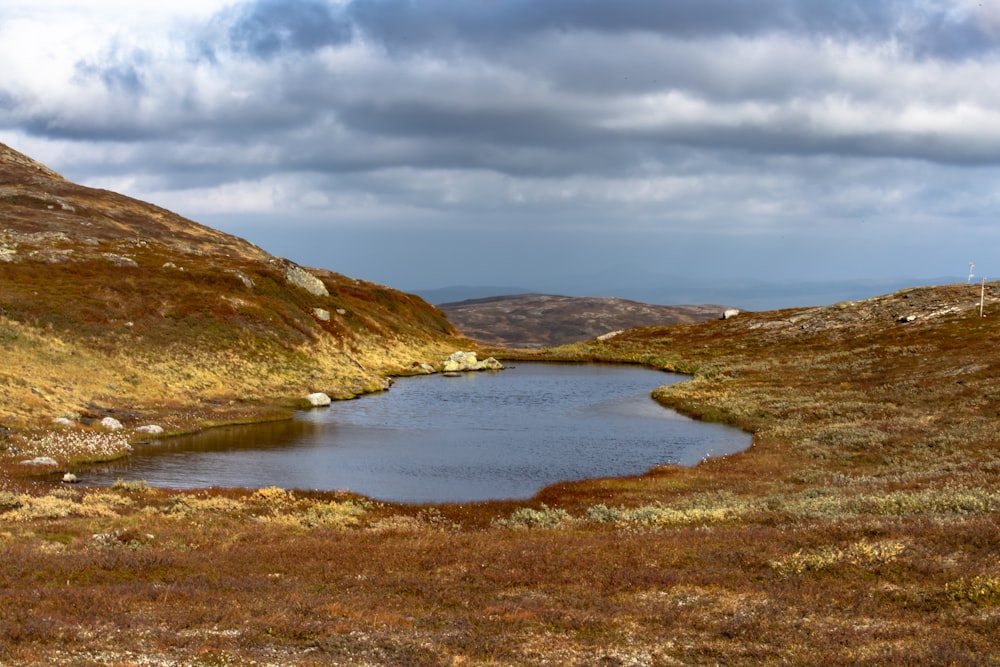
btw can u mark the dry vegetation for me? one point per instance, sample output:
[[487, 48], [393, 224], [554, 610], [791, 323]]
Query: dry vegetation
[[860, 528]]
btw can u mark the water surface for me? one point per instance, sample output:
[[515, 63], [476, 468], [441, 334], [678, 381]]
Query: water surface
[[479, 436]]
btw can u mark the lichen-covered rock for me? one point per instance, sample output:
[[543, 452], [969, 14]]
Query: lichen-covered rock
[[321, 314], [299, 277]]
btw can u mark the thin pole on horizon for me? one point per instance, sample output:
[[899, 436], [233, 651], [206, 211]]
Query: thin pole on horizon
[[982, 297]]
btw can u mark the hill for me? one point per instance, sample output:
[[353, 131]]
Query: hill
[[113, 306], [543, 320]]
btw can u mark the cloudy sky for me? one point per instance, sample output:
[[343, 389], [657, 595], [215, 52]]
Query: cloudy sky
[[424, 143]]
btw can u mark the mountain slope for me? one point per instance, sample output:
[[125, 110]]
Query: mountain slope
[[544, 320], [109, 304]]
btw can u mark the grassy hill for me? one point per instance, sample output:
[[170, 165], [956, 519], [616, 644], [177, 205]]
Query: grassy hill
[[546, 320], [109, 305]]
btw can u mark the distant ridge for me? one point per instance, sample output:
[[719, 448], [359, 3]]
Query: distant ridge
[[545, 320]]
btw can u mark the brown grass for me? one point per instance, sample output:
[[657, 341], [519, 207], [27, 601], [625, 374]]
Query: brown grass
[[861, 528]]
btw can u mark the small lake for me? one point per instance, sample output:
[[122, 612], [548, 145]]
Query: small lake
[[479, 436]]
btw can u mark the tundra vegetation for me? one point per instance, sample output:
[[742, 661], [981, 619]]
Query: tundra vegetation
[[861, 527]]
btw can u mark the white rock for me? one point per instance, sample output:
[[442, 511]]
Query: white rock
[[321, 314], [111, 424], [151, 429], [70, 478], [318, 400], [730, 312], [62, 421]]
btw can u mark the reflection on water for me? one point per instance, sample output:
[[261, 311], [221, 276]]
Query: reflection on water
[[436, 439]]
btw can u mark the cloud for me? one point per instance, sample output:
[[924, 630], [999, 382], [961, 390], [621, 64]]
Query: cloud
[[719, 118], [268, 28]]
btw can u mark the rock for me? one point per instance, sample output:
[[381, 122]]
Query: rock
[[467, 361], [730, 313], [40, 461], [111, 424], [242, 277], [424, 368], [151, 429], [490, 364], [63, 421], [69, 478], [120, 260], [609, 335], [323, 315], [299, 277], [318, 400]]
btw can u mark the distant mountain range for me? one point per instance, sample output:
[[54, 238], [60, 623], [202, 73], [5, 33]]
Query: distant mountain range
[[666, 290]]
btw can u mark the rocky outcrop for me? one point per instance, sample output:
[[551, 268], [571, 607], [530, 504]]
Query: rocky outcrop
[[296, 275], [467, 361]]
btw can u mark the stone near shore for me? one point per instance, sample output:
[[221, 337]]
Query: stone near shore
[[467, 361], [150, 429], [318, 400], [111, 424]]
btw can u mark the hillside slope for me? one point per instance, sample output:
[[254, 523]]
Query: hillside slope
[[545, 320], [109, 305]]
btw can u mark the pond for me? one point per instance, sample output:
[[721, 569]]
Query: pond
[[478, 436]]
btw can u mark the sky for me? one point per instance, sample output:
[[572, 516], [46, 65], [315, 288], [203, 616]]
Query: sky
[[556, 145]]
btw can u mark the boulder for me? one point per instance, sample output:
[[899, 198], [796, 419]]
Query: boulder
[[111, 424], [321, 314], [318, 400], [296, 275], [150, 429], [729, 313], [62, 421], [70, 478], [467, 361]]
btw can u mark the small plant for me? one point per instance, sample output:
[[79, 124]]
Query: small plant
[[138, 486], [544, 517], [979, 590]]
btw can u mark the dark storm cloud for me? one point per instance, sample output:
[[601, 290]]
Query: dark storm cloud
[[268, 28], [435, 24]]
